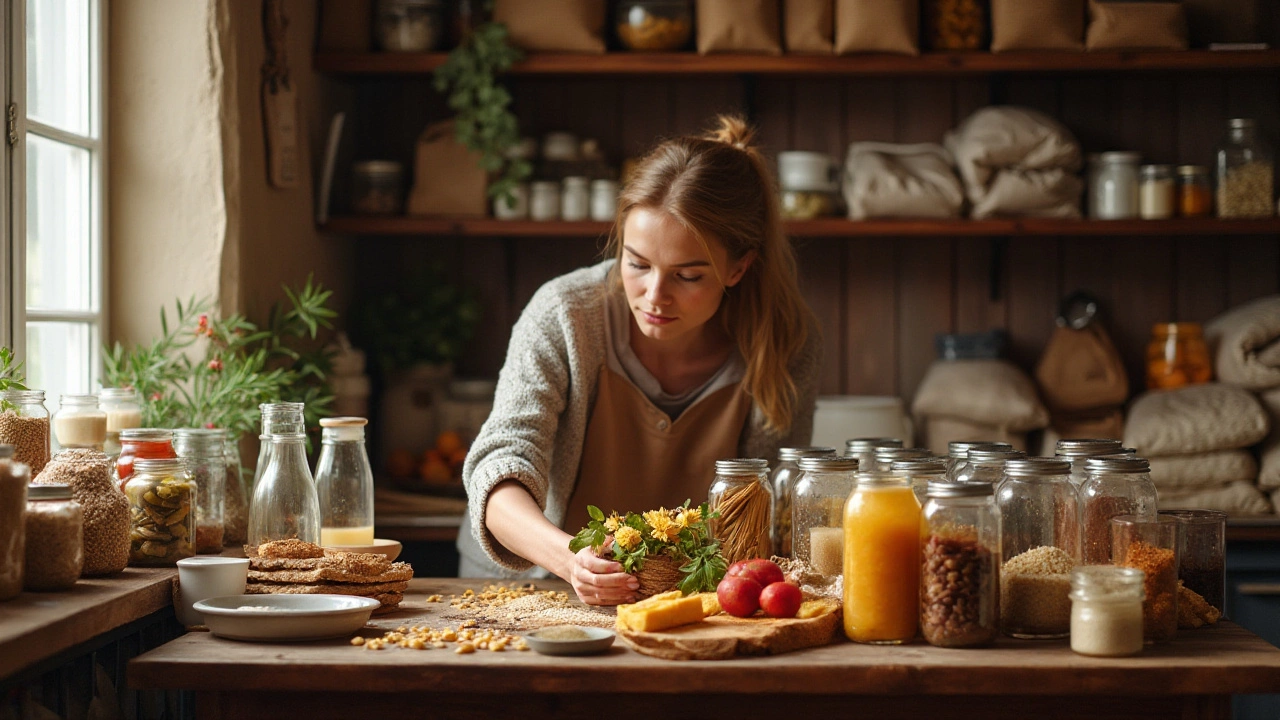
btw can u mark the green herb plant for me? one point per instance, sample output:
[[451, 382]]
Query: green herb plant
[[11, 376], [681, 534], [424, 320]]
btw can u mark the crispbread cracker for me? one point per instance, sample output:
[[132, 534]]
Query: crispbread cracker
[[393, 572], [353, 563], [291, 548], [390, 602], [358, 589]]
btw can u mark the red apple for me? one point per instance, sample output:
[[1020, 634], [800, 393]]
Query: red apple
[[766, 572], [739, 596], [781, 600]]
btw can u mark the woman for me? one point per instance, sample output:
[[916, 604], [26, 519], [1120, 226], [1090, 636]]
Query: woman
[[624, 382]]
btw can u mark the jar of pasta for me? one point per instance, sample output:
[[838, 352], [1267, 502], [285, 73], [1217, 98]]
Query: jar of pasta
[[817, 513], [162, 500], [740, 495]]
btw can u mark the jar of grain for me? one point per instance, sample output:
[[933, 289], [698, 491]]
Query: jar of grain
[[206, 460], [123, 407], [1077, 450], [1246, 169], [865, 450], [14, 477], [1115, 486], [958, 453], [985, 464], [1150, 544], [1195, 191], [920, 473], [960, 565], [881, 561], [817, 514], [1177, 356], [106, 510], [1106, 610], [24, 424], [740, 494], [885, 457], [55, 539], [162, 500], [783, 484], [79, 422], [1156, 192]]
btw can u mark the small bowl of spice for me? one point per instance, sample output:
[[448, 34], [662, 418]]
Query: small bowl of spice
[[570, 640]]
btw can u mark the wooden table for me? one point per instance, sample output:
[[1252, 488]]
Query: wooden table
[[1192, 677]]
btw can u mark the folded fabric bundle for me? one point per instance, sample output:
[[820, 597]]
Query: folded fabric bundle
[[906, 181], [1016, 161], [1194, 419], [1237, 498], [1269, 451], [1245, 343], [1204, 470], [980, 399]]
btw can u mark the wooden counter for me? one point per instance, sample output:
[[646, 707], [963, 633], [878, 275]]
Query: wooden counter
[[1193, 677]]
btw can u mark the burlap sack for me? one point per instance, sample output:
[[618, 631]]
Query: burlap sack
[[1236, 499], [447, 177], [984, 392], [1037, 25], [1136, 26], [1204, 470], [1269, 451], [553, 25], [808, 26], [1245, 344], [739, 26], [1081, 370], [891, 26], [937, 432], [906, 181], [1194, 419]]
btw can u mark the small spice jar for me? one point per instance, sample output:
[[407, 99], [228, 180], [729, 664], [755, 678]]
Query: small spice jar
[[123, 407], [958, 452], [1177, 356], [1116, 194], [818, 511], [544, 200], [24, 424], [79, 422], [1195, 191], [14, 477], [885, 457], [960, 565], [865, 450], [575, 199], [514, 205], [135, 443], [206, 460], [1202, 566], [1156, 192], [955, 24], [1077, 450], [1246, 169], [740, 494], [1115, 486], [1040, 545], [1150, 544], [377, 187], [986, 464], [409, 25], [881, 561], [786, 473], [162, 514], [1106, 610], [604, 200], [920, 472], [54, 539]]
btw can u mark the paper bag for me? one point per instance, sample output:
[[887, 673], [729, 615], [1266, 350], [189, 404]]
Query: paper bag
[[1081, 370], [891, 26], [739, 26], [1136, 26], [808, 26], [553, 25], [1037, 25], [447, 177]]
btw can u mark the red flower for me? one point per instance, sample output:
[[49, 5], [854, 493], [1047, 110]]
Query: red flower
[[215, 365], [204, 320], [155, 396], [210, 426]]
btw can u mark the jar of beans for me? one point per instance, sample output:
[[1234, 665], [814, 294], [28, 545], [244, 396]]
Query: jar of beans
[[960, 565]]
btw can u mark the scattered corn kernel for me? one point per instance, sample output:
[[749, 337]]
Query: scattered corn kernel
[[465, 648]]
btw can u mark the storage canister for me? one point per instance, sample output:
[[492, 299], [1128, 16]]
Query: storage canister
[[1077, 450], [887, 456], [958, 452], [54, 539], [14, 477], [740, 494], [604, 200], [24, 424], [544, 200], [206, 459], [1040, 546], [138, 443], [1106, 610], [1115, 486], [960, 567], [1157, 192], [1150, 544], [818, 511], [123, 407], [985, 464], [920, 472], [1246, 169], [1195, 191], [79, 422], [1202, 553], [377, 187], [881, 561], [1116, 194], [575, 199], [783, 484], [865, 450], [162, 512]]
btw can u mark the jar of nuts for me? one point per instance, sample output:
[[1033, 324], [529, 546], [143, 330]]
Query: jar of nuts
[[655, 25], [1246, 170], [960, 565], [162, 500]]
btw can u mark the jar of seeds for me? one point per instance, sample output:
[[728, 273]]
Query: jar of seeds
[[162, 499], [54, 539], [1246, 169]]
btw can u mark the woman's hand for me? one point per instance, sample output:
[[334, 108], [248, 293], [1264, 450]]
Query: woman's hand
[[598, 581]]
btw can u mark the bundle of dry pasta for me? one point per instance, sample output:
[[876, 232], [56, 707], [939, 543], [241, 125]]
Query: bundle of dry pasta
[[743, 525]]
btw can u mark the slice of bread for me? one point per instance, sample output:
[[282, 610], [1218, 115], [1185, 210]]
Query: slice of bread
[[335, 573]]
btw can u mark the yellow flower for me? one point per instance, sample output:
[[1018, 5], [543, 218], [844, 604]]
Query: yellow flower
[[653, 517], [664, 528], [613, 523], [690, 516], [627, 537]]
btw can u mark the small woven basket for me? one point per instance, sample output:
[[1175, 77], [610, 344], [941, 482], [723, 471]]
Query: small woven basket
[[660, 574]]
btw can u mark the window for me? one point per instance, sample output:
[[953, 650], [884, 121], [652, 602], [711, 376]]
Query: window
[[54, 192]]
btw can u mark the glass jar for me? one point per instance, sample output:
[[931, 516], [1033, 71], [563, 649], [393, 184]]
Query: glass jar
[[575, 199], [955, 24], [123, 407], [885, 457], [409, 25], [282, 418], [54, 553], [865, 450], [1246, 169], [604, 200], [740, 494], [807, 204], [1116, 194], [515, 206], [377, 187], [1106, 610], [1150, 544], [236, 507], [818, 511], [544, 200], [783, 484], [1115, 486], [1077, 450], [960, 565], [985, 464], [163, 500], [344, 483], [14, 477], [920, 472], [1202, 564], [958, 453], [138, 443], [1156, 192], [1093, 165], [560, 147], [655, 25], [24, 424], [284, 499], [204, 451], [1195, 191], [1177, 356], [881, 561], [1040, 545], [79, 422]]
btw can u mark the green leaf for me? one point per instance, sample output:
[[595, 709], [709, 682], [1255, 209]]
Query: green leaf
[[595, 513]]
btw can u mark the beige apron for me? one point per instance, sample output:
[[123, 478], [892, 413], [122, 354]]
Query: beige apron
[[636, 459]]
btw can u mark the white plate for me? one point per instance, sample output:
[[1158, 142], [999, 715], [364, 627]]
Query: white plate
[[597, 641], [285, 617]]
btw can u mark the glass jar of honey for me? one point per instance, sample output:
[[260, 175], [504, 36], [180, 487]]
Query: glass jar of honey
[[1195, 191], [1177, 356], [882, 533]]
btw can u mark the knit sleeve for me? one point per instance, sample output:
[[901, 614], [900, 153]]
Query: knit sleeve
[[805, 370]]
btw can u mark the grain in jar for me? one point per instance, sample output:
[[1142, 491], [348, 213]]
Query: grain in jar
[[54, 539], [741, 496], [786, 473], [162, 500], [24, 424], [1246, 170], [106, 510], [1106, 610], [960, 567], [1040, 540], [1116, 486], [1150, 544], [13, 508]]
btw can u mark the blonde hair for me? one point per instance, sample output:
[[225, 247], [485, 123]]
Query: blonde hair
[[719, 186]]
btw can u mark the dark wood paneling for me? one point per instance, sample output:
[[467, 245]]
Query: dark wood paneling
[[821, 271], [871, 318], [925, 297]]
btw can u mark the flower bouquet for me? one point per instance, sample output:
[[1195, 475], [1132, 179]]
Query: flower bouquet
[[664, 549]]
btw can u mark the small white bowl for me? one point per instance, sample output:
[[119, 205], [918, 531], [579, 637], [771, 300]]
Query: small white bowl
[[390, 548], [598, 640], [281, 617]]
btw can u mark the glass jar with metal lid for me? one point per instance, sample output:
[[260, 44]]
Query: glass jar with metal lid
[[79, 422], [986, 465], [960, 565], [163, 500], [785, 475], [740, 495], [1039, 544], [205, 455], [881, 561], [123, 407], [887, 456], [1246, 170], [865, 450], [817, 513], [24, 424], [1076, 451], [1115, 486], [1115, 196], [1157, 192], [138, 443], [958, 452], [54, 528], [920, 472]]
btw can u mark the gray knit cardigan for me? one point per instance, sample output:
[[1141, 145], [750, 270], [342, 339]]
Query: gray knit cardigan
[[546, 391]]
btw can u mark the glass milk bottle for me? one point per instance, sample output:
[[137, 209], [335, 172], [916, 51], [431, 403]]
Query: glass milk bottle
[[284, 499], [344, 483]]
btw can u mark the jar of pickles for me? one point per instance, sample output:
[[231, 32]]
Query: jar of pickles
[[958, 453], [54, 539], [986, 464], [1077, 450], [881, 561], [960, 565], [818, 511], [206, 460], [865, 450], [163, 500], [920, 472], [783, 482], [740, 494], [1177, 356], [1039, 546], [1115, 486], [123, 407], [137, 443]]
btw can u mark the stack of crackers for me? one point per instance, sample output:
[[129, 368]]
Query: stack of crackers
[[297, 567]]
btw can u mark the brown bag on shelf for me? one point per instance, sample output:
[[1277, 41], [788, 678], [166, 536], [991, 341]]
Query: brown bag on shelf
[[1081, 370], [447, 177], [808, 26], [1136, 26], [891, 26], [739, 26], [1037, 25], [346, 25], [553, 25]]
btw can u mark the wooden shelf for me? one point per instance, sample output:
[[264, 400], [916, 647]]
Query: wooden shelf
[[831, 227], [688, 63]]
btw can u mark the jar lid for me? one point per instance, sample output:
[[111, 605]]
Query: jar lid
[[920, 466], [741, 466], [1116, 465], [863, 445], [341, 422], [1121, 157], [1241, 123], [377, 167], [828, 463], [118, 394], [947, 489], [1037, 467], [144, 465], [960, 448], [1193, 170], [146, 435], [890, 454], [52, 491], [984, 455], [795, 453], [1086, 447]]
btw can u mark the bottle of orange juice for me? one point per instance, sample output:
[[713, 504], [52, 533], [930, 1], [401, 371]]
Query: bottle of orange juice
[[881, 560]]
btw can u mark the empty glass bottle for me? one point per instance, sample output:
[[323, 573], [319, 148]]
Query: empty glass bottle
[[285, 418], [344, 483], [284, 497]]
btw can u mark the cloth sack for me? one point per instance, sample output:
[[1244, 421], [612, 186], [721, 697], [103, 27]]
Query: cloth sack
[[447, 177], [937, 432], [739, 26], [1213, 469], [1194, 419], [1269, 451], [994, 393], [1037, 25], [1136, 26], [1081, 370], [907, 181], [553, 25], [808, 26], [891, 26], [1245, 344], [1017, 161], [1237, 498]]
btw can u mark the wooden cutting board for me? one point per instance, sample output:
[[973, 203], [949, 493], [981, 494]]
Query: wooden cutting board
[[721, 637]]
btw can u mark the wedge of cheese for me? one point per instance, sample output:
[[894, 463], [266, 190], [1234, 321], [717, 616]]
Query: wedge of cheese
[[710, 603], [816, 608], [660, 612]]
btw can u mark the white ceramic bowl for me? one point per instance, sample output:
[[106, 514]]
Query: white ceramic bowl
[[281, 617], [390, 548]]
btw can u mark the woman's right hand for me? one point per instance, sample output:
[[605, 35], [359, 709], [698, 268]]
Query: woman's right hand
[[598, 581]]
